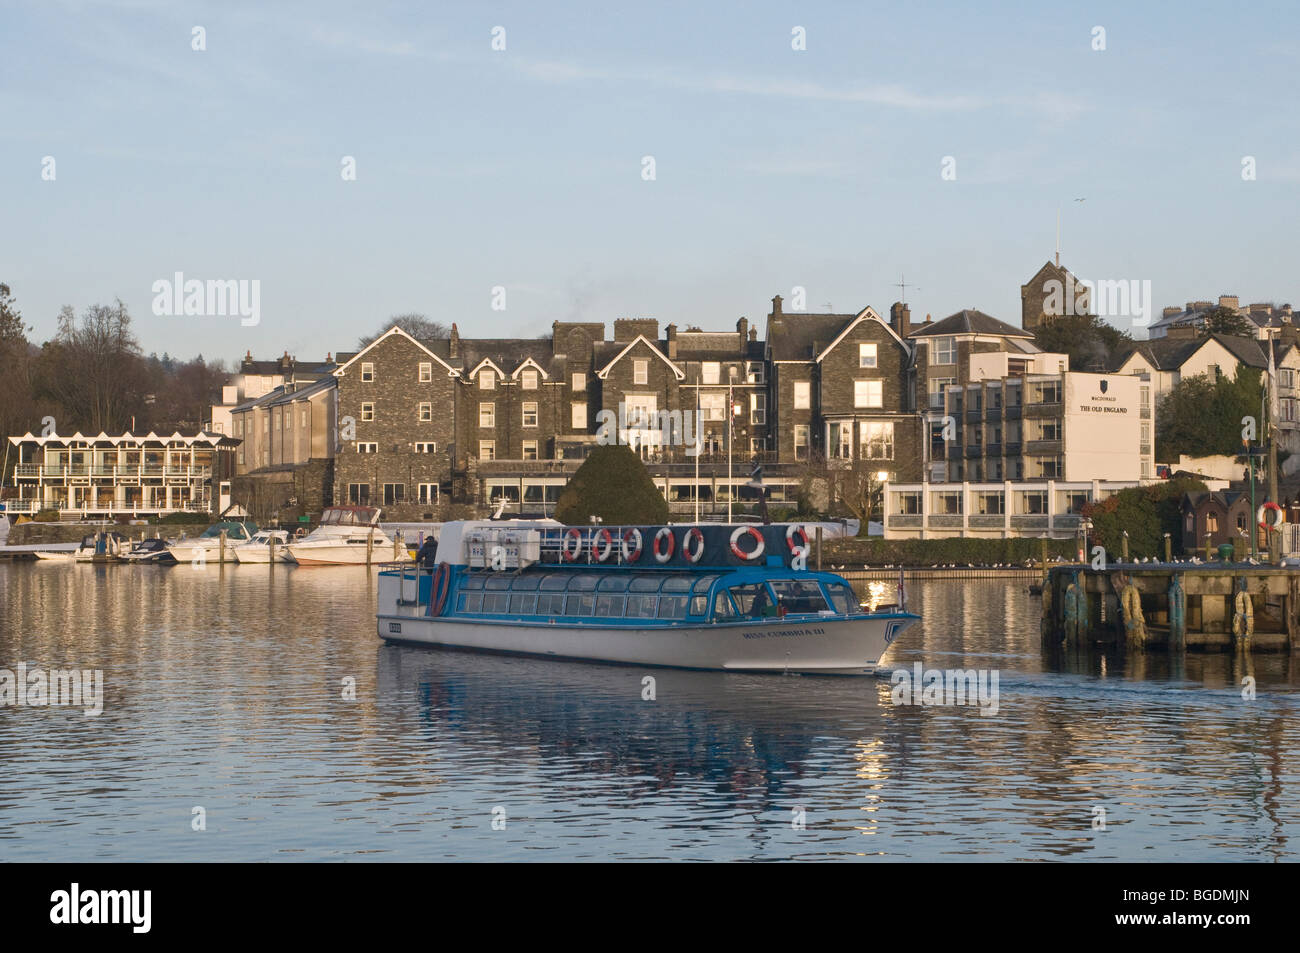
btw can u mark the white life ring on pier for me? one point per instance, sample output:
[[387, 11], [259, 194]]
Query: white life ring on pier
[[1262, 515], [759, 545], [664, 553], [793, 530], [697, 534]]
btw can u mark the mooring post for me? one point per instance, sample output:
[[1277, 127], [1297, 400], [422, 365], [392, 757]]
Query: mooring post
[[370, 546], [1177, 614], [819, 549], [1169, 554], [1043, 548], [221, 554], [1207, 547], [1123, 544]]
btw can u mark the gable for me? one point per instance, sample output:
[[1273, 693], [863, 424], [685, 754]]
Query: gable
[[867, 314], [603, 373], [394, 331]]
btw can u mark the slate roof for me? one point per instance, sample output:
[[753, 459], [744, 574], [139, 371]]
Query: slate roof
[[797, 336], [1165, 354], [969, 321]]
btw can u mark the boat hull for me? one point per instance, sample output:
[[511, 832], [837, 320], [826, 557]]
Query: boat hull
[[850, 645], [262, 554], [306, 554]]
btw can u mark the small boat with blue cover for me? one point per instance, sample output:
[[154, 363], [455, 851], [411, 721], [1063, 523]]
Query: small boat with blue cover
[[732, 598]]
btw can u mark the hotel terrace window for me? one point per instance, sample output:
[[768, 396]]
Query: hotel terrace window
[[754, 372], [801, 441], [359, 493], [578, 416], [394, 493], [713, 406], [841, 440], [367, 411], [487, 380], [579, 381], [426, 372], [946, 503], [426, 411], [943, 351], [530, 449], [1049, 392], [366, 448], [487, 415], [991, 504], [1034, 502], [367, 371], [640, 371], [528, 380], [710, 372], [876, 441], [909, 504], [530, 414], [487, 449], [426, 492], [866, 355], [758, 408], [426, 448], [802, 395], [868, 393]]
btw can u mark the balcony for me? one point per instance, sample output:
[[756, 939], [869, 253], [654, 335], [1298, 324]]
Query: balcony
[[1012, 412], [975, 450], [993, 413], [85, 474], [987, 520], [1043, 446], [1011, 448], [974, 413], [1045, 409], [993, 449]]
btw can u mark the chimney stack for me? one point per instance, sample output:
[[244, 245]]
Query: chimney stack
[[670, 334], [776, 306], [742, 331], [900, 319], [453, 350]]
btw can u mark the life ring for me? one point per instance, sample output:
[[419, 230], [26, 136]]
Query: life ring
[[632, 554], [794, 529], [759, 545], [1263, 511], [694, 533], [662, 555], [602, 545], [439, 589], [571, 554]]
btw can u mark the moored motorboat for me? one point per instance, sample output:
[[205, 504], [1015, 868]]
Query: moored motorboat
[[349, 536], [208, 547], [266, 546], [733, 598], [151, 550]]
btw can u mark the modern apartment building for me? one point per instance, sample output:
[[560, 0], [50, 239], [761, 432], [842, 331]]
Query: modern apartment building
[[124, 475]]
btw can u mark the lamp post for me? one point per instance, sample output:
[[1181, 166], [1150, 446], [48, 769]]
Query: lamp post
[[731, 430]]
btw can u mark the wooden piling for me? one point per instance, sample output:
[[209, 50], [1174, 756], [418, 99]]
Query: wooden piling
[[819, 549]]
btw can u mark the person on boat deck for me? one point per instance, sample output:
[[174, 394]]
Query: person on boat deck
[[761, 606], [428, 552]]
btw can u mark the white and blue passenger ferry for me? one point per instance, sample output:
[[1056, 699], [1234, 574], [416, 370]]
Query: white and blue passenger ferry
[[735, 598]]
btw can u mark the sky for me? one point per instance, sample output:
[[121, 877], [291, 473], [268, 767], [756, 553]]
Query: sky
[[523, 168]]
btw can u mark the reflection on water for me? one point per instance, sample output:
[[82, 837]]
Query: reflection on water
[[225, 689]]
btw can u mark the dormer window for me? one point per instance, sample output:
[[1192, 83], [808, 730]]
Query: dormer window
[[487, 380]]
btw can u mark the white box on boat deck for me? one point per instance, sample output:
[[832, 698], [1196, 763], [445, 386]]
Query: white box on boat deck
[[519, 548]]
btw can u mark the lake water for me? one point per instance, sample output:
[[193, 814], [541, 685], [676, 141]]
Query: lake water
[[224, 690]]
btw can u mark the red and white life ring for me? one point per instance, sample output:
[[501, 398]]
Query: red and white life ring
[[759, 545], [602, 545], [631, 550], [793, 530], [663, 545], [439, 589], [1262, 514], [697, 534], [571, 554]]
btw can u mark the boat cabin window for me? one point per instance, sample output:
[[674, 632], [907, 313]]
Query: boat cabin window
[[471, 581], [525, 583], [645, 584], [842, 596], [799, 595], [613, 584], [583, 582], [752, 600], [554, 581], [641, 605], [497, 582], [609, 605], [582, 603], [523, 603], [722, 605], [498, 602], [677, 584], [550, 603], [470, 602], [672, 607]]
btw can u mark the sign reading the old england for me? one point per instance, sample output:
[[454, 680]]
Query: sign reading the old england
[[1102, 403]]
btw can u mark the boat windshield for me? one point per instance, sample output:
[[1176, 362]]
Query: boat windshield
[[799, 595], [349, 516]]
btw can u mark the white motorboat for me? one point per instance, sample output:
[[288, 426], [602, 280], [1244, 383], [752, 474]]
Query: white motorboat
[[97, 548], [731, 598], [266, 546], [349, 536], [207, 547]]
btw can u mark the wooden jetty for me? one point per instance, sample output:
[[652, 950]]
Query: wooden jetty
[[1212, 606]]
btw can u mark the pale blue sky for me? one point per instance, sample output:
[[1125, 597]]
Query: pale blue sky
[[522, 168]]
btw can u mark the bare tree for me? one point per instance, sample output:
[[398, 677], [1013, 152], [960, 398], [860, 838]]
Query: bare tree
[[416, 325], [92, 368]]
